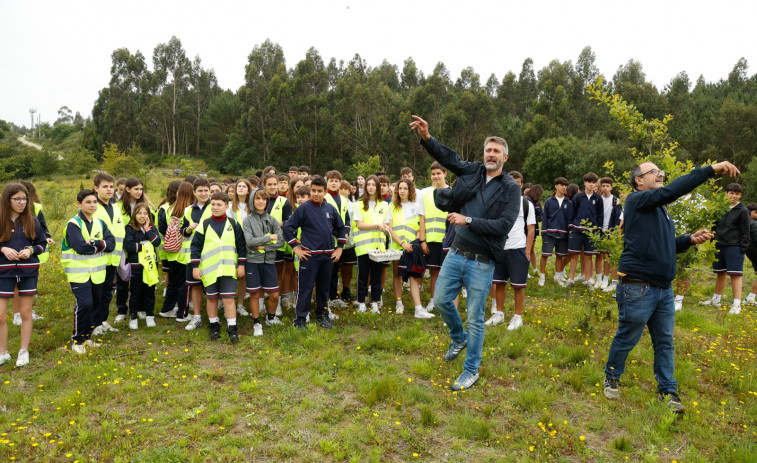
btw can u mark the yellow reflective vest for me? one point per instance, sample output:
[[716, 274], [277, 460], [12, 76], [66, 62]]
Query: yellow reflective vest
[[45, 255], [80, 268], [219, 253], [342, 208], [368, 240], [277, 212], [435, 218], [406, 230], [117, 226], [186, 241]]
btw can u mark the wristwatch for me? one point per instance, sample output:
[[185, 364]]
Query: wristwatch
[[468, 221]]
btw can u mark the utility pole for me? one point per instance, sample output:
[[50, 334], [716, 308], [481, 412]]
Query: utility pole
[[39, 132], [32, 111]]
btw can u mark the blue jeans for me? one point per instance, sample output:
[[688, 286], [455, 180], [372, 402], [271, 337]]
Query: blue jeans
[[457, 271], [640, 306]]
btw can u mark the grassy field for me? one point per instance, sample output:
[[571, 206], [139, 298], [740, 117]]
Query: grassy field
[[375, 388]]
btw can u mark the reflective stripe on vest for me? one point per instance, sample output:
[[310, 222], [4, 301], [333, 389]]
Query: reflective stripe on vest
[[116, 227], [341, 209], [219, 254], [368, 240], [186, 241], [277, 212], [405, 230], [435, 218], [81, 268]]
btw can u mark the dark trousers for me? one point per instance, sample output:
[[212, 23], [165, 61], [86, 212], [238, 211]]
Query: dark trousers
[[122, 295], [86, 294], [334, 283], [314, 272], [367, 268], [176, 292], [141, 296], [102, 307]]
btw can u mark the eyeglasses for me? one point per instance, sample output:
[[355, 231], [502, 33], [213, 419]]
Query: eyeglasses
[[20, 200], [654, 172]]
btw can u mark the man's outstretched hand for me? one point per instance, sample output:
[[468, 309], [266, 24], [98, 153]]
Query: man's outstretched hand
[[726, 167], [420, 126]]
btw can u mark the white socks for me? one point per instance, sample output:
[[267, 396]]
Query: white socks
[[213, 320], [230, 321], [716, 297], [679, 298]]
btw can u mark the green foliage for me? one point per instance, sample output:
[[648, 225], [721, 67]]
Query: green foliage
[[368, 167], [121, 164], [80, 161], [45, 163], [749, 182]]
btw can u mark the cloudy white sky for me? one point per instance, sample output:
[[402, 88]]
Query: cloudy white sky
[[57, 52]]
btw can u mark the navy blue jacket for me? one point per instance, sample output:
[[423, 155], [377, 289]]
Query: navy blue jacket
[[320, 224], [75, 240], [501, 200], [733, 228], [650, 244], [18, 241], [133, 244], [556, 218], [587, 209]]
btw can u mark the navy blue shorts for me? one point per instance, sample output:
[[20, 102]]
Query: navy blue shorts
[[27, 286], [730, 259], [279, 256], [348, 256], [224, 288], [550, 244], [435, 256], [261, 278], [190, 279], [580, 241], [514, 269]]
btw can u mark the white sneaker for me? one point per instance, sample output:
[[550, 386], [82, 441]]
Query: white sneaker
[[430, 307], [405, 285], [4, 357], [134, 324], [150, 322], [337, 303], [193, 324], [610, 288], [735, 309], [465, 293], [579, 278], [92, 343], [678, 305], [257, 329], [332, 315], [495, 319], [141, 315], [542, 277], [597, 284], [273, 321], [558, 277], [78, 348], [605, 284], [119, 318], [362, 308], [711, 302], [400, 308], [98, 331], [106, 327], [307, 318], [23, 358], [36, 316], [279, 312], [375, 308], [170, 314], [420, 312], [515, 323], [185, 319], [748, 301], [17, 319], [241, 311]]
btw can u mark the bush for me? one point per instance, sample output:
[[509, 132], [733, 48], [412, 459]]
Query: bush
[[80, 161], [120, 164], [45, 163]]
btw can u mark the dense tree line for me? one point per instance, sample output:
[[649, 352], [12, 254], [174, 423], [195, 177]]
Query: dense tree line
[[338, 114]]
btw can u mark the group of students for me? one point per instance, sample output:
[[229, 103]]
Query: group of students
[[292, 235]]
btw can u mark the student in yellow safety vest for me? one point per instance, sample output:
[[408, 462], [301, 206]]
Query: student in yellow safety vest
[[349, 258], [175, 303], [22, 241], [435, 227], [406, 217], [193, 216], [111, 216], [371, 225], [83, 255], [218, 257], [239, 208]]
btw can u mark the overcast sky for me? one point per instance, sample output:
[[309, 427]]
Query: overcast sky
[[57, 52]]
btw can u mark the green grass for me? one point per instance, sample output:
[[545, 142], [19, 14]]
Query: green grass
[[375, 388]]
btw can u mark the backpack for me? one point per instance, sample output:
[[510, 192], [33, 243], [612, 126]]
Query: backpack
[[172, 239]]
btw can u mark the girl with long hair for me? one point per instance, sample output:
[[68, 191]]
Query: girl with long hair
[[371, 220], [175, 274], [140, 244]]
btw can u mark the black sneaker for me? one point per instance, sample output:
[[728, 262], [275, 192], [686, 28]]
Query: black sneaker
[[346, 295], [611, 388], [324, 322], [215, 331], [672, 401], [233, 336]]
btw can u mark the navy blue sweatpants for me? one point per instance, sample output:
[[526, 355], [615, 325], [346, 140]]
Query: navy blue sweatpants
[[86, 294], [314, 272]]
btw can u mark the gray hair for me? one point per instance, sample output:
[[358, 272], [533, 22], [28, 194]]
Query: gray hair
[[635, 172], [498, 140]]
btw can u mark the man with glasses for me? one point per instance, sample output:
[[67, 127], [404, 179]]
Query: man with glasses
[[647, 267]]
